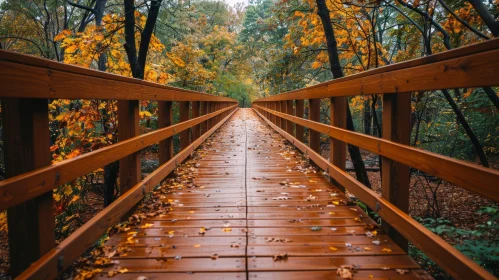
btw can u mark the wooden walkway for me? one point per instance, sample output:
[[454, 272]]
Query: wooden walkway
[[249, 206]]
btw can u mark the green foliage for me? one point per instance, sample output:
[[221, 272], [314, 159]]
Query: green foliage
[[480, 244]]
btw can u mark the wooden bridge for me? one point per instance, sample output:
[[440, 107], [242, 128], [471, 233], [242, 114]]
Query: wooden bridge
[[253, 201]]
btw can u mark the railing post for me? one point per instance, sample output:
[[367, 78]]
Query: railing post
[[196, 130], [299, 111], [314, 114], [337, 148], [289, 111], [279, 109], [273, 106], [165, 119], [184, 107], [128, 127], [283, 110], [395, 176], [204, 111], [26, 140]]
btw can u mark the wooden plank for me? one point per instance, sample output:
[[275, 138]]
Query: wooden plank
[[395, 177], [217, 275], [165, 119], [184, 111], [472, 177], [128, 121], [192, 265], [196, 130], [324, 263], [449, 258], [58, 80], [26, 143], [361, 274], [314, 114], [49, 266]]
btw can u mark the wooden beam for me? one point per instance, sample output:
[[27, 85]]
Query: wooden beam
[[184, 111], [50, 266], [128, 127], [314, 114], [196, 130], [395, 176], [470, 176], [337, 148], [299, 112], [23, 187], [289, 110], [165, 119], [26, 143]]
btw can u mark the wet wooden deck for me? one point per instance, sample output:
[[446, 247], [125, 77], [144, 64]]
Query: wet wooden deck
[[255, 199]]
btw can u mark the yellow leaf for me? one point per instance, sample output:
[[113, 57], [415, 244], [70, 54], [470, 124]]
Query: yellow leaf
[[386, 250], [75, 198], [124, 270], [147, 225], [333, 248], [367, 249], [226, 229], [132, 233], [312, 181], [197, 246]]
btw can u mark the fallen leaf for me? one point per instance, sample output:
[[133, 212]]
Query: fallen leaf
[[368, 249], [333, 248], [197, 246], [402, 271], [226, 229], [386, 250], [124, 270], [214, 256], [147, 225], [278, 257]]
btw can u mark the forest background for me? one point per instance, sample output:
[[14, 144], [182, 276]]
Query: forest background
[[253, 50]]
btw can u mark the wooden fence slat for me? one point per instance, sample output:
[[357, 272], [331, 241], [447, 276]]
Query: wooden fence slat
[[196, 130], [165, 119], [128, 127], [299, 112], [184, 111], [337, 148], [26, 141], [314, 114], [395, 177]]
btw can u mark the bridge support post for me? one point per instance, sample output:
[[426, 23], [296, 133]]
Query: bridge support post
[[337, 148], [314, 114], [204, 111], [184, 108], [273, 106], [27, 147], [128, 127], [395, 177], [278, 109], [165, 119], [196, 130], [299, 111], [289, 111]]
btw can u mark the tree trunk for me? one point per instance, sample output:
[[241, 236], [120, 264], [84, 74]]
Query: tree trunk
[[334, 61], [467, 128]]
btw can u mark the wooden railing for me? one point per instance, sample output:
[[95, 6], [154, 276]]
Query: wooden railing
[[472, 66], [27, 85]]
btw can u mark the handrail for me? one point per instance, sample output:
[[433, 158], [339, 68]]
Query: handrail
[[49, 266], [27, 85], [449, 258], [471, 66], [29, 185], [475, 178], [24, 76]]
